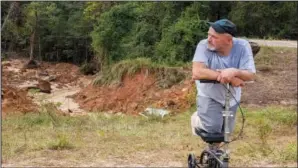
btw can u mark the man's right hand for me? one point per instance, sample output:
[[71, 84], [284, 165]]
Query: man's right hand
[[226, 75], [237, 82]]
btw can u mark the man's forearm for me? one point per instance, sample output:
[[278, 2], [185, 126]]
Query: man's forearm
[[204, 73], [245, 75]]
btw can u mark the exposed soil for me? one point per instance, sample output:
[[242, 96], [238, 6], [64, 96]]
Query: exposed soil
[[67, 80], [276, 83], [16, 100], [135, 95]]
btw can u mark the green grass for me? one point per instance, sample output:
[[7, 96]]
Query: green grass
[[289, 153], [166, 76], [269, 134]]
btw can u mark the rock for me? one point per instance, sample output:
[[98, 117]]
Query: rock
[[154, 111], [31, 64], [6, 63], [22, 70], [49, 78], [44, 86], [43, 73], [254, 47], [170, 103], [134, 105], [184, 89]]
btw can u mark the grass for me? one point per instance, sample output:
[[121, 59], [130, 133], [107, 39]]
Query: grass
[[166, 76], [270, 56], [269, 135]]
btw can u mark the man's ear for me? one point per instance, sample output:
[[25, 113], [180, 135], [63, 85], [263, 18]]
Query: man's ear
[[228, 37]]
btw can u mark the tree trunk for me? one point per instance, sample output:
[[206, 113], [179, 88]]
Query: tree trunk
[[32, 44], [32, 38], [14, 5], [39, 50], [86, 51]]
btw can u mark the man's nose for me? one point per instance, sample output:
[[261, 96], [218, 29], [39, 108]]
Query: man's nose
[[209, 38]]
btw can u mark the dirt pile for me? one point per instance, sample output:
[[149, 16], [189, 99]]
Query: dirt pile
[[63, 74], [16, 100], [17, 80], [66, 73], [134, 95]]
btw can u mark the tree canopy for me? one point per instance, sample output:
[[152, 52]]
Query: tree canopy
[[165, 32]]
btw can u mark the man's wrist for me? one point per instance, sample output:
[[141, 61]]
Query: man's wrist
[[237, 72], [217, 75]]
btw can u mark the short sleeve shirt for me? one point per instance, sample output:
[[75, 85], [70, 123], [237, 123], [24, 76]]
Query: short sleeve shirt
[[240, 57]]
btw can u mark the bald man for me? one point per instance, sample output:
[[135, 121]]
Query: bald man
[[224, 58]]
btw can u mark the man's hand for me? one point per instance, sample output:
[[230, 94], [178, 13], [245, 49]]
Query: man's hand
[[237, 82], [226, 75]]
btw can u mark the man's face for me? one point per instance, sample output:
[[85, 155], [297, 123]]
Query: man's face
[[216, 41]]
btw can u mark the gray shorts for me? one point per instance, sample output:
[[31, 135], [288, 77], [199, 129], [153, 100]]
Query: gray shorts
[[211, 117]]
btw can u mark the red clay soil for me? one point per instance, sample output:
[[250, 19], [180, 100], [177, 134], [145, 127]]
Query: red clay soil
[[16, 100], [134, 96], [65, 73]]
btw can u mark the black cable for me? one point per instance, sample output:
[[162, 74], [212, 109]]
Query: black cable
[[243, 118]]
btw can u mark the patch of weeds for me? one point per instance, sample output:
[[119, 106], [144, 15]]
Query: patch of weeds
[[36, 119], [289, 153], [51, 110], [166, 76], [60, 143], [89, 68], [33, 91], [115, 73], [264, 130], [276, 115], [191, 97], [58, 104]]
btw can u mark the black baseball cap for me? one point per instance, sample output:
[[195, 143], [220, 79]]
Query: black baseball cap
[[224, 26]]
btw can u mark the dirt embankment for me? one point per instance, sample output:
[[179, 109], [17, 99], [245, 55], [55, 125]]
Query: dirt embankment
[[276, 83], [135, 95]]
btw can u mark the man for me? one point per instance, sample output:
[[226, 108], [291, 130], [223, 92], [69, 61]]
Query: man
[[224, 58]]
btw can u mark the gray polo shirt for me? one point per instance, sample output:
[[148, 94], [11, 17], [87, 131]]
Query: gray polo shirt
[[240, 57]]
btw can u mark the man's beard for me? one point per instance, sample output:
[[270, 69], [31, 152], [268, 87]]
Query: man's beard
[[211, 48]]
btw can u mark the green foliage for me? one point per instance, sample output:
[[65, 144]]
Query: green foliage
[[115, 74], [88, 68], [179, 42], [266, 19], [139, 32], [165, 32]]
